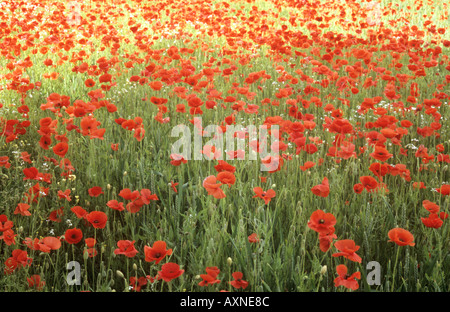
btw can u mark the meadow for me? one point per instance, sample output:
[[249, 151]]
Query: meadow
[[353, 196]]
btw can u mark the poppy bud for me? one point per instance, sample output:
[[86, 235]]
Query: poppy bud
[[120, 274], [108, 186], [85, 255], [125, 173], [135, 267], [323, 270], [229, 261]]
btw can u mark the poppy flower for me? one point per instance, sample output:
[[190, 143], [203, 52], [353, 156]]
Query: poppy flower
[[5, 224], [4, 162], [169, 271], [226, 178], [89, 83], [173, 186], [323, 189], [432, 221], [79, 212], [321, 222], [127, 194], [157, 252], [253, 238], [97, 219], [210, 277], [213, 188], [325, 239], [18, 259], [430, 206], [114, 204], [22, 209], [381, 153], [348, 281], [137, 283], [347, 248], [444, 189], [61, 149], [55, 215], [73, 236], [238, 281], [95, 191], [126, 248], [8, 237], [266, 195], [224, 166], [369, 183], [64, 195], [307, 165], [401, 237], [177, 159], [34, 281], [54, 243]]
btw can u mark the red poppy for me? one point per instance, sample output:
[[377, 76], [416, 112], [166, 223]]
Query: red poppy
[[430, 206], [79, 212], [73, 236], [5, 224], [224, 166], [432, 221], [54, 243], [157, 252], [169, 271], [323, 189], [95, 191], [325, 239], [18, 259], [89, 83], [22, 209], [307, 165], [348, 281], [61, 149], [369, 183], [253, 238], [266, 195], [348, 249], [114, 204], [210, 277], [4, 162], [64, 195], [173, 186], [34, 281], [127, 194], [226, 178], [137, 284], [401, 237], [444, 189], [238, 281], [381, 153], [8, 237], [98, 219], [358, 188], [213, 188], [321, 222], [177, 159], [126, 248]]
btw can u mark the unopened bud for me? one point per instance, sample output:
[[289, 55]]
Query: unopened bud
[[120, 274]]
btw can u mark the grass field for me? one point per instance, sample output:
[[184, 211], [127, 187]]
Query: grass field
[[354, 195]]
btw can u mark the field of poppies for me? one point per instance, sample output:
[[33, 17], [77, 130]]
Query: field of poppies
[[347, 189]]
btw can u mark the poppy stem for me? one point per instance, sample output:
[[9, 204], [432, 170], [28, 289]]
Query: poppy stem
[[395, 267]]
